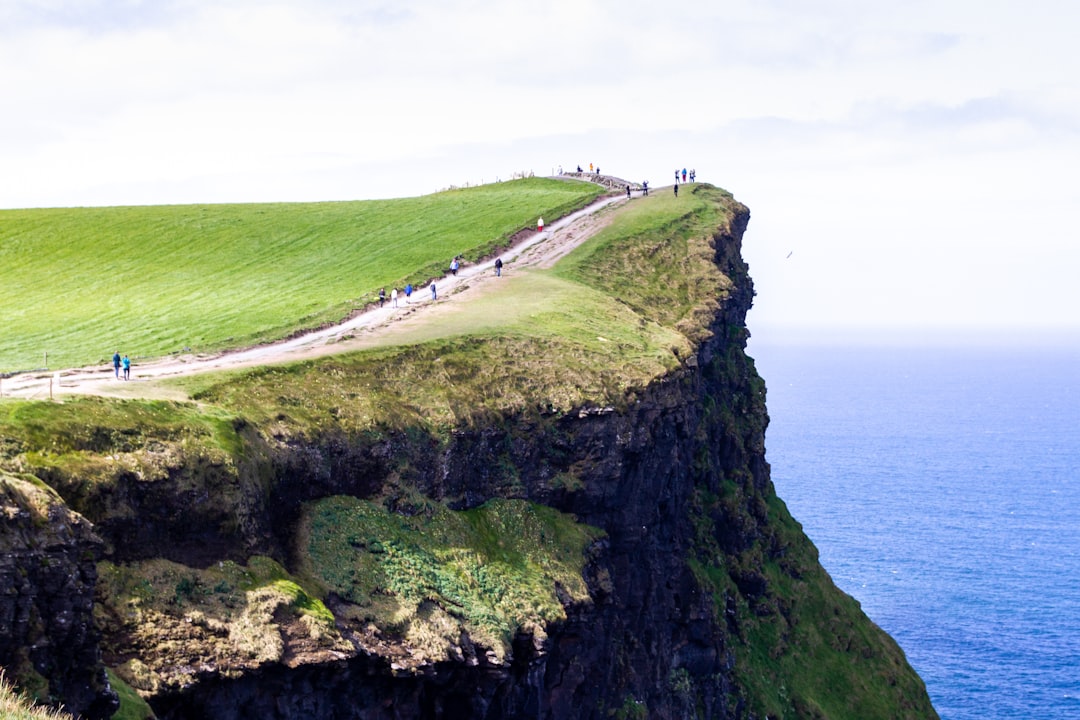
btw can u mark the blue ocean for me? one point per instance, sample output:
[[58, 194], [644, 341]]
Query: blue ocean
[[942, 489]]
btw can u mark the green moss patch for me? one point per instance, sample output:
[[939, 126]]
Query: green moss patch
[[491, 571], [132, 706]]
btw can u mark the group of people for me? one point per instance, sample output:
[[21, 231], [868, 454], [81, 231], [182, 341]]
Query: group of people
[[121, 362], [408, 290], [683, 173]]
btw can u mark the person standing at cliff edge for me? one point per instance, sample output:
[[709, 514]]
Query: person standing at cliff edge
[[540, 225]]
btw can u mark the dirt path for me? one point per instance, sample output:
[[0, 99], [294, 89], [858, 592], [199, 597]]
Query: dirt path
[[540, 250]]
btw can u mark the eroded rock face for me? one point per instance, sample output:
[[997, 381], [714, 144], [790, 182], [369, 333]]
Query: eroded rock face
[[48, 641]]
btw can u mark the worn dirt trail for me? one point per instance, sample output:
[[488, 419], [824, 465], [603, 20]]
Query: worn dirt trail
[[367, 328]]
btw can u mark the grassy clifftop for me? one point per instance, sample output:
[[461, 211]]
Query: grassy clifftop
[[82, 282]]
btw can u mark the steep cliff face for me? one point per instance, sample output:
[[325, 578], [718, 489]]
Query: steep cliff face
[[48, 641], [620, 555]]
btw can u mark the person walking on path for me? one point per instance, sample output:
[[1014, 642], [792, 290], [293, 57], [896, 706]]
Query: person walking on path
[[498, 267], [393, 297], [408, 293], [382, 296], [454, 265], [127, 367], [434, 295], [116, 364], [627, 192], [540, 225]]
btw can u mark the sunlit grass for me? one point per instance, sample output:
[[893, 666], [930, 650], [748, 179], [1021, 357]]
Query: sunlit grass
[[79, 283]]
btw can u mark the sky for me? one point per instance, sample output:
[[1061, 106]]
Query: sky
[[909, 167]]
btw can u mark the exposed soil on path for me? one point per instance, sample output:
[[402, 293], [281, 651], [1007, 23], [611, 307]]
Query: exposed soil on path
[[370, 327]]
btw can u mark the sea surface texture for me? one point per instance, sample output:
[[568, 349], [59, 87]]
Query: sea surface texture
[[942, 489]]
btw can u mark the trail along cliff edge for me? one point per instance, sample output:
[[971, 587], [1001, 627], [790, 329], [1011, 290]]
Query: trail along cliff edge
[[363, 329]]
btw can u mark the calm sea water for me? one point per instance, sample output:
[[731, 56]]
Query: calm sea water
[[942, 488]]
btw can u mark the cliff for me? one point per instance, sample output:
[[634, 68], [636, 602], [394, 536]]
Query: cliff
[[47, 576], [529, 524]]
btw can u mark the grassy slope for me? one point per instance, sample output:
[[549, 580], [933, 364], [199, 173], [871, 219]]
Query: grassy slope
[[80, 283]]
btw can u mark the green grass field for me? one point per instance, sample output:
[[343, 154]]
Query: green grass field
[[80, 283]]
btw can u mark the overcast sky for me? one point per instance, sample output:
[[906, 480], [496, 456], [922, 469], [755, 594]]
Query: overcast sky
[[907, 165]]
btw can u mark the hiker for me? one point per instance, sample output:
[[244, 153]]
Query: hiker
[[676, 189], [627, 192], [590, 167], [684, 174], [644, 187], [116, 364], [382, 296], [454, 265], [540, 225], [693, 175], [393, 297], [127, 367], [498, 267], [408, 293], [434, 295], [579, 168]]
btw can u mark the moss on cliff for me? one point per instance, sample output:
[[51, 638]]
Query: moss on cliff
[[437, 578]]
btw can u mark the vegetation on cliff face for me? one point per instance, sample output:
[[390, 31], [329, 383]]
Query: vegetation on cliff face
[[177, 622], [387, 502], [437, 576]]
